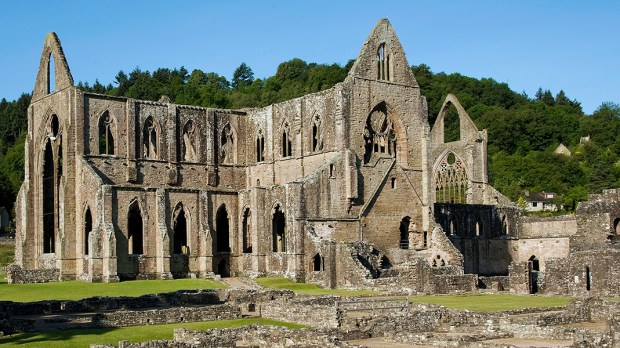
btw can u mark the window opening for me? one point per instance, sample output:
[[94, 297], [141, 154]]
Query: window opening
[[51, 75], [317, 263], [180, 233], [404, 232], [317, 134], [383, 63], [260, 146], [49, 220], [190, 136], [379, 135], [451, 124], [247, 231], [287, 145], [150, 143], [106, 137], [279, 230], [228, 139], [451, 181], [88, 227]]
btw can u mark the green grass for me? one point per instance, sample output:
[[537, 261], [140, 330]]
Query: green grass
[[309, 289], [492, 302], [85, 337], [76, 290], [7, 254]]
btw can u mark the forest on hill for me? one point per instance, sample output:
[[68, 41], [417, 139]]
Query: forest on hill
[[523, 131]]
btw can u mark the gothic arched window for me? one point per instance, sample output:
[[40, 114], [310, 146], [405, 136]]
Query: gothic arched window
[[149, 139], [106, 134], [451, 180]]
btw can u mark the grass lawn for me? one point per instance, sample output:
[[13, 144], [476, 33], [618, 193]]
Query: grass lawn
[[309, 289], [492, 302], [85, 337], [7, 253], [76, 290]]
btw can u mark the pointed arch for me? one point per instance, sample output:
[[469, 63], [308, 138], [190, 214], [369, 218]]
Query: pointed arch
[[287, 142], [49, 192], [465, 124], [317, 263], [88, 228], [260, 145], [190, 142], [222, 229], [383, 62], [246, 234], [316, 137], [228, 144], [404, 232], [135, 228], [54, 74], [384, 135], [278, 228], [180, 230], [150, 138], [107, 134], [450, 179]]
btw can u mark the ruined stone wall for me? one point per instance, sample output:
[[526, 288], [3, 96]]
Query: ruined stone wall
[[587, 272], [319, 312], [597, 220]]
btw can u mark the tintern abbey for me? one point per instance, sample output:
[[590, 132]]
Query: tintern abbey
[[349, 187]]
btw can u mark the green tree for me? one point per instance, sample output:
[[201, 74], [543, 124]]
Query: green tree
[[242, 77]]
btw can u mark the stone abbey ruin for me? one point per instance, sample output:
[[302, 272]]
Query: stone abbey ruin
[[349, 187]]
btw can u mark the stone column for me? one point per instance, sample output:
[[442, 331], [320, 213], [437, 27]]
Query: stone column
[[162, 243]]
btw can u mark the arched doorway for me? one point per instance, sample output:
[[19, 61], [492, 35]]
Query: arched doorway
[[135, 230], [179, 260], [404, 232], [278, 225], [49, 219], [533, 266], [88, 227], [223, 230], [223, 268]]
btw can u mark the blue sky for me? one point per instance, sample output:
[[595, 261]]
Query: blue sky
[[569, 45]]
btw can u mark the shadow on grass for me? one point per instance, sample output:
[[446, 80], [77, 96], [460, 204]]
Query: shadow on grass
[[47, 338]]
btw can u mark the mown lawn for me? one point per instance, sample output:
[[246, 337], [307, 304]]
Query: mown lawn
[[309, 289], [492, 302], [76, 290], [85, 337]]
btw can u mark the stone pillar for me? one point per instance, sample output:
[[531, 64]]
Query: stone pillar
[[205, 245], [108, 238], [162, 243]]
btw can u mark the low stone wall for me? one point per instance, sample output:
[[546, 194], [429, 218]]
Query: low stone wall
[[250, 336], [494, 283], [319, 312], [97, 304], [17, 275], [166, 316]]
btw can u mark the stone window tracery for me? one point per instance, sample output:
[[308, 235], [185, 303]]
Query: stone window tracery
[[190, 142], [106, 134], [379, 136], [149, 141], [451, 180]]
